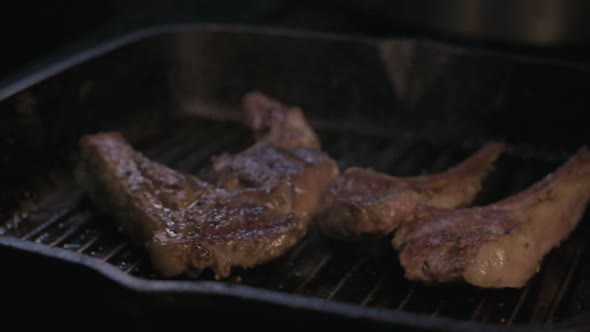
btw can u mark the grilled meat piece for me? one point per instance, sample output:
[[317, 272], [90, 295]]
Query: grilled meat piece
[[253, 207], [502, 244], [186, 224], [277, 124], [362, 202], [287, 151]]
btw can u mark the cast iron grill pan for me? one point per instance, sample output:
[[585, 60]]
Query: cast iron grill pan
[[404, 107], [365, 274]]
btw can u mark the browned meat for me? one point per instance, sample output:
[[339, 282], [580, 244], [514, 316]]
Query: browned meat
[[502, 244], [287, 151], [277, 124], [255, 208], [186, 224], [364, 202]]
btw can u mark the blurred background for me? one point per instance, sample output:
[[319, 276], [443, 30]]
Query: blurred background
[[31, 30]]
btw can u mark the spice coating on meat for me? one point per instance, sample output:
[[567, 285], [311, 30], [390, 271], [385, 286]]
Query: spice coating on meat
[[250, 207], [498, 245], [276, 124], [287, 151], [363, 202], [186, 224]]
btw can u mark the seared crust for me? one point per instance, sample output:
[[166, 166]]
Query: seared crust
[[362, 202], [186, 224], [287, 152], [250, 207], [502, 244]]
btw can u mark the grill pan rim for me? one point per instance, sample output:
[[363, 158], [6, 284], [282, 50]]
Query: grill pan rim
[[293, 301], [81, 52], [93, 48]]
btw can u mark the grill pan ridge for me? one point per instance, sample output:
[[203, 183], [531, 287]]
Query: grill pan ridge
[[182, 121]]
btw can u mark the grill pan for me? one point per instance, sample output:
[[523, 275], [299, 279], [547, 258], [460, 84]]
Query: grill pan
[[406, 107]]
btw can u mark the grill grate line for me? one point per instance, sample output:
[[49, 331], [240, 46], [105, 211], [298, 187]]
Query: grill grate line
[[555, 280], [519, 304], [476, 315], [405, 301], [115, 251], [133, 265], [56, 217], [84, 218], [438, 308], [378, 285], [313, 273], [565, 285], [347, 276], [297, 251], [89, 243]]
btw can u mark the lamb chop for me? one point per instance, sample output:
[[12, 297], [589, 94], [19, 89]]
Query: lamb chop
[[189, 224], [186, 224], [287, 151], [362, 202], [502, 244]]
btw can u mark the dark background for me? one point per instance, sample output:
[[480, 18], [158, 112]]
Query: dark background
[[30, 30]]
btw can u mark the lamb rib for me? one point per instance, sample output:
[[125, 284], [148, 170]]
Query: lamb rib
[[498, 245], [253, 207], [363, 202]]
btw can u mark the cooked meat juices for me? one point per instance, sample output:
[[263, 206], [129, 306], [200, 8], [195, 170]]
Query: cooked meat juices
[[363, 202], [502, 244], [252, 212]]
